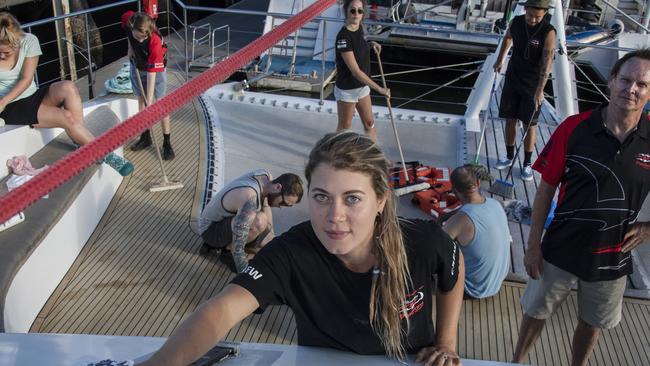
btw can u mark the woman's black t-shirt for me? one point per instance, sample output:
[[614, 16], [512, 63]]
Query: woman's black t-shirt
[[348, 41], [331, 303]]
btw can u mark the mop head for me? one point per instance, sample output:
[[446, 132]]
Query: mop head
[[481, 172], [502, 188], [165, 186]]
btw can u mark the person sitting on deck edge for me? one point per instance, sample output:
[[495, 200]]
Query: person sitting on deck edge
[[357, 277], [49, 106], [480, 226], [533, 42], [601, 161], [239, 216]]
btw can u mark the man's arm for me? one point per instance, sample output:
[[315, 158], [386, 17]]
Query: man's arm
[[208, 324], [505, 47], [541, 206], [460, 228], [448, 306], [545, 70], [241, 225], [24, 81]]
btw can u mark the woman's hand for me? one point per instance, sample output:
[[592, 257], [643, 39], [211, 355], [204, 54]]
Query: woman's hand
[[438, 356], [375, 47], [385, 92]]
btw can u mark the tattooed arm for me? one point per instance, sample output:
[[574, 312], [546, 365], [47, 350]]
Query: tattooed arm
[[241, 224], [545, 70]]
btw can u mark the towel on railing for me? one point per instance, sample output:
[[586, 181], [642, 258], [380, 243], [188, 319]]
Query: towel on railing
[[20, 165]]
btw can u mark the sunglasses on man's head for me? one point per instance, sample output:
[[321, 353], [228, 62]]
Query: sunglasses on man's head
[[355, 11]]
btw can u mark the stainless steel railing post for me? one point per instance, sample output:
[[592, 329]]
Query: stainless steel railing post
[[29, 30], [322, 65], [187, 65], [91, 81]]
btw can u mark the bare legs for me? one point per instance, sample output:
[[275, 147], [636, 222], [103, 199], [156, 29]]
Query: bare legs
[[166, 124], [62, 108], [529, 331], [364, 107], [584, 340], [511, 135], [50, 114]]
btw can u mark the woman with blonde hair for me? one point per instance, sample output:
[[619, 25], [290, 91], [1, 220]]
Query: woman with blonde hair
[[357, 277], [54, 105]]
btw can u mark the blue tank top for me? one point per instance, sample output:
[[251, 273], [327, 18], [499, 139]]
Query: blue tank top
[[487, 256]]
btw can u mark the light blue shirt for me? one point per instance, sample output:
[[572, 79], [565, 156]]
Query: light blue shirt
[[29, 47], [487, 255]]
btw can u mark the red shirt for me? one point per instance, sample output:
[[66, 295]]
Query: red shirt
[[150, 54]]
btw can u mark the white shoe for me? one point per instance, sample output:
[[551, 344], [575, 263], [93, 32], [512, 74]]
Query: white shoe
[[503, 164], [527, 173]]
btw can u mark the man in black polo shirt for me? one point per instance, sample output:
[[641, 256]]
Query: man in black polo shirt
[[601, 161], [532, 38]]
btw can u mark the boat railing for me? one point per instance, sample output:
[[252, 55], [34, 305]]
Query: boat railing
[[204, 37], [327, 21], [200, 37], [178, 27], [601, 13], [643, 28]]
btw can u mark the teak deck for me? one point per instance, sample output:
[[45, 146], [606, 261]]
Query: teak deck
[[141, 273]]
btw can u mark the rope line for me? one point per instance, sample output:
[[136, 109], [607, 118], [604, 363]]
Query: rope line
[[75, 162]]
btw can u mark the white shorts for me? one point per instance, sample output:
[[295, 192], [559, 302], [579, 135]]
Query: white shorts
[[351, 95], [600, 304]]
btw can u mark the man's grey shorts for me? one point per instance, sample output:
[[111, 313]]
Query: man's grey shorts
[[600, 303]]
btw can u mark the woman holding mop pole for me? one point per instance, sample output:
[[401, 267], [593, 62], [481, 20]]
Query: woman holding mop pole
[[147, 55], [352, 89]]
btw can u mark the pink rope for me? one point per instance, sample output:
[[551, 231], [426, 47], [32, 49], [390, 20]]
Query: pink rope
[[75, 162]]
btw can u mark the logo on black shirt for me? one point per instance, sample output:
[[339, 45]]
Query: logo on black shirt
[[643, 160], [413, 304], [341, 44], [251, 271]]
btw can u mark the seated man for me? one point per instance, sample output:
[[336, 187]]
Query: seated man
[[480, 227], [239, 215]]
